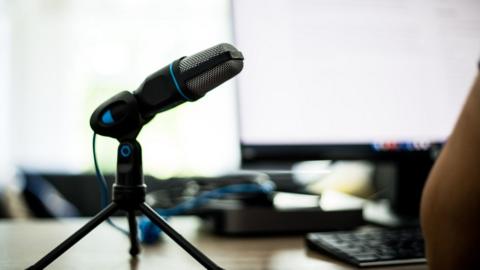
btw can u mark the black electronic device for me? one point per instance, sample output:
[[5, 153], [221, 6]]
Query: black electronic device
[[234, 218], [123, 116], [371, 247]]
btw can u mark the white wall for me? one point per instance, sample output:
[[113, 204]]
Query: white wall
[[5, 151], [69, 56]]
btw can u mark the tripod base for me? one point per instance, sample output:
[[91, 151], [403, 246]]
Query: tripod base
[[134, 249]]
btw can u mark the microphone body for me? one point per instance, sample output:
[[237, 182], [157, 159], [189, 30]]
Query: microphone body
[[158, 93], [186, 79]]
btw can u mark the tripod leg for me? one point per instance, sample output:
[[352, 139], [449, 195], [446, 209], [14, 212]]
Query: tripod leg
[[77, 236], [193, 251], [132, 223]]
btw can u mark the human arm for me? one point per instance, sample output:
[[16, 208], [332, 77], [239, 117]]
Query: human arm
[[450, 209]]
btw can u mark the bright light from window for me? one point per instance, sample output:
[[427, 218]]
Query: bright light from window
[[69, 56]]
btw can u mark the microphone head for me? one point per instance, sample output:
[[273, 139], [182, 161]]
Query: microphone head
[[209, 68], [186, 79]]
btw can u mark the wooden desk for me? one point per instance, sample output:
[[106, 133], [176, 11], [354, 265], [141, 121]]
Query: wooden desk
[[24, 242]]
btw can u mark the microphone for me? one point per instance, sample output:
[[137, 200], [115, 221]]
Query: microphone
[[186, 79]]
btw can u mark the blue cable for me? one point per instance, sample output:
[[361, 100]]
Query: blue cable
[[212, 194], [103, 187], [149, 232]]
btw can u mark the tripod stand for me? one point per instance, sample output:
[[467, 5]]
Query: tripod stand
[[129, 195]]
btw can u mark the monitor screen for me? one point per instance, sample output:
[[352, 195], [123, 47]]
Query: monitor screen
[[348, 78]]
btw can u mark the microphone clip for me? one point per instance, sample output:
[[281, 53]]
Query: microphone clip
[[119, 117]]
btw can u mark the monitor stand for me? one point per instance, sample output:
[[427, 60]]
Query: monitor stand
[[400, 185]]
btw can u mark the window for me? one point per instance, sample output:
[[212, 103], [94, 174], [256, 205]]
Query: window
[[67, 57]]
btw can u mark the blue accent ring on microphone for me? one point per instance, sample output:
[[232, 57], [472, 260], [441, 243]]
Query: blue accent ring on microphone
[[176, 84]]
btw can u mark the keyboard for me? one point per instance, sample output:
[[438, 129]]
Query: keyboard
[[371, 247]]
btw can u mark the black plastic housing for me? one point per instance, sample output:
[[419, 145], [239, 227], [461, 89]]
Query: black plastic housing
[[159, 93], [126, 120]]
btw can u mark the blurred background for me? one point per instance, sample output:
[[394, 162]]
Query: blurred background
[[59, 59], [335, 122], [409, 66]]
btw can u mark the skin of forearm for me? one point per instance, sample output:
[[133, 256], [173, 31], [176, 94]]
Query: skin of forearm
[[450, 210]]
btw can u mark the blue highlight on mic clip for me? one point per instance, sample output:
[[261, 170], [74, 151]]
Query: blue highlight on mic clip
[[107, 118]]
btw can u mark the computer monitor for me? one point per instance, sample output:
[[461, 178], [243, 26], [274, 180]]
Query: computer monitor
[[350, 79]]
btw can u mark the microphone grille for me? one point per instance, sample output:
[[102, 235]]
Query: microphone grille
[[195, 60], [213, 77]]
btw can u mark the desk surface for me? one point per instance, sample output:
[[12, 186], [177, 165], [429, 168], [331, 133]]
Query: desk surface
[[24, 242]]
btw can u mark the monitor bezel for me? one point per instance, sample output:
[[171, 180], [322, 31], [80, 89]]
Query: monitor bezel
[[291, 153]]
